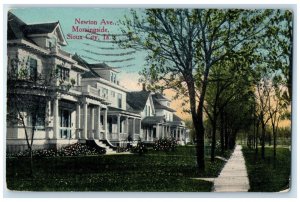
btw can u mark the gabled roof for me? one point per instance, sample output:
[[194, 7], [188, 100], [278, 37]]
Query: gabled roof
[[153, 120], [157, 105], [14, 28], [137, 99], [41, 28], [159, 96], [82, 62], [176, 118], [103, 66], [17, 29]]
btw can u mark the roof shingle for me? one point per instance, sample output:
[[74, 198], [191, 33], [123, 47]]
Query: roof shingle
[[137, 99], [42, 28], [152, 120]]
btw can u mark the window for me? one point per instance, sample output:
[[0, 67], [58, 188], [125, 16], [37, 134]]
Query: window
[[119, 100], [40, 119], [63, 73], [32, 73], [65, 124], [105, 92], [113, 77], [112, 93], [50, 44]]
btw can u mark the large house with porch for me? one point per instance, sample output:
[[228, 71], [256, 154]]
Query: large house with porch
[[158, 119], [83, 102]]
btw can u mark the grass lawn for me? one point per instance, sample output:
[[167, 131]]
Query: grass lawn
[[154, 171], [268, 175]]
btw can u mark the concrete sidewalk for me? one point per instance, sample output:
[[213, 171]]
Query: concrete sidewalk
[[233, 177]]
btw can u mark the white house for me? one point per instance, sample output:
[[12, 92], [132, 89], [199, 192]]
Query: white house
[[66, 118], [82, 102], [123, 125], [158, 119]]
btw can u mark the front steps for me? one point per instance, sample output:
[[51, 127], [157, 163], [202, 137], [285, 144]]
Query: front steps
[[108, 148]]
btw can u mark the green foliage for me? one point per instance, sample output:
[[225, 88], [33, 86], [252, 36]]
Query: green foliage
[[165, 144], [76, 149], [186, 47], [153, 171], [140, 148], [269, 175]]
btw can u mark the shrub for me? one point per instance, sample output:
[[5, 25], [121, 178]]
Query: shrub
[[35, 153], [139, 149], [123, 149], [165, 144], [76, 149]]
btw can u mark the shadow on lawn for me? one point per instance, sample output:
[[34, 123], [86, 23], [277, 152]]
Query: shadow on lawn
[[154, 171]]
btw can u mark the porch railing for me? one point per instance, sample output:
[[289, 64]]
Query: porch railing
[[67, 133], [88, 90]]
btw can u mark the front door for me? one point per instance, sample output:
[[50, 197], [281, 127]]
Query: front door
[[65, 124]]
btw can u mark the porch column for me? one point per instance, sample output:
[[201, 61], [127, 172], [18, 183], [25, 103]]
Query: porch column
[[133, 128], [105, 123], [77, 120], [118, 126], [157, 131], [151, 134], [126, 127], [92, 123], [98, 122], [48, 118], [140, 127], [180, 134], [84, 132], [55, 119]]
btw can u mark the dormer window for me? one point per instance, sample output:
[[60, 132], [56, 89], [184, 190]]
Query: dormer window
[[50, 44], [113, 77]]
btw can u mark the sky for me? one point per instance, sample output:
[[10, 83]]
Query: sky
[[96, 48]]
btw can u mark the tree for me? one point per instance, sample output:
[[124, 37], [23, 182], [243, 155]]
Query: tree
[[229, 81], [183, 46], [273, 67], [263, 93], [277, 107], [280, 48]]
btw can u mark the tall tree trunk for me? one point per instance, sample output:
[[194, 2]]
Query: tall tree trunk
[[226, 136], [256, 138], [213, 141], [200, 146], [197, 117], [263, 133], [274, 141], [222, 132]]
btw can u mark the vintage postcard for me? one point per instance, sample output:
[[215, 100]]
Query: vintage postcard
[[148, 100]]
